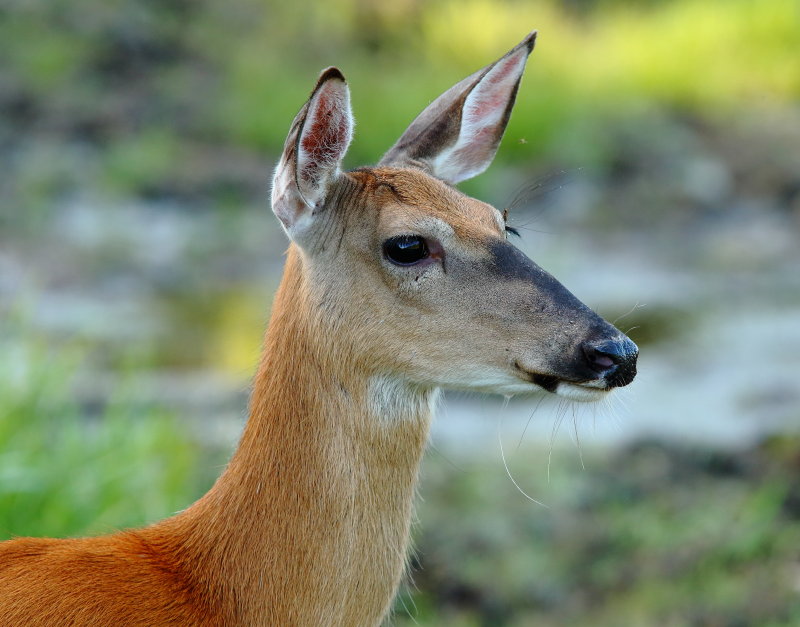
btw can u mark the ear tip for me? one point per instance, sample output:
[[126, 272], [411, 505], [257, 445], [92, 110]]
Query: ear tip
[[330, 73], [530, 41]]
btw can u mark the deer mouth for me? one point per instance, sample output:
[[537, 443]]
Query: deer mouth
[[591, 390], [584, 392]]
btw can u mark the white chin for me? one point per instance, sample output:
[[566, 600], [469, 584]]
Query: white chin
[[583, 393]]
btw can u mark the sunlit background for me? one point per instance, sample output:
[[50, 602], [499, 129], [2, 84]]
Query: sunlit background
[[652, 164]]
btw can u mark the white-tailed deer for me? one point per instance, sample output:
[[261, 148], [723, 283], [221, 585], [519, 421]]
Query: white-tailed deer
[[396, 285]]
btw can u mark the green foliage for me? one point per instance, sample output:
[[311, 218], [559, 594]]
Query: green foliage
[[652, 535], [157, 98], [139, 163], [148, 84], [67, 469], [692, 54]]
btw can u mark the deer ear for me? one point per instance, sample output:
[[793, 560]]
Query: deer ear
[[312, 155], [457, 135]]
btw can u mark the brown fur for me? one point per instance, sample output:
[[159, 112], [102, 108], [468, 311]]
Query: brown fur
[[307, 526], [309, 523]]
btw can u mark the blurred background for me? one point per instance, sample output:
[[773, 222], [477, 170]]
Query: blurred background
[[652, 164]]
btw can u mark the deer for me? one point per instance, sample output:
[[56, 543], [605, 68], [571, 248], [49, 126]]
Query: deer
[[396, 285]]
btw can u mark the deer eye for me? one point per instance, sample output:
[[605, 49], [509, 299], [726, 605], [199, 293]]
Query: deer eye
[[405, 250]]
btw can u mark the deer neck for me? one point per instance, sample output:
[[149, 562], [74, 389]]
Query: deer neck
[[311, 518]]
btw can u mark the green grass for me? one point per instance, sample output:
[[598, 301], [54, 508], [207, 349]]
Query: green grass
[[592, 63], [69, 469], [650, 535], [149, 98], [162, 89]]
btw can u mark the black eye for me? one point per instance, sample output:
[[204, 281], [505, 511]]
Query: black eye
[[405, 250]]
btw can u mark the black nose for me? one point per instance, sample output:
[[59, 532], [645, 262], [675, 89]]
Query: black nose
[[614, 360]]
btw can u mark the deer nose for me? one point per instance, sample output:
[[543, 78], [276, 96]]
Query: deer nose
[[614, 359]]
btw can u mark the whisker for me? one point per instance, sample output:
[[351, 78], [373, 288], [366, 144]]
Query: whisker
[[614, 415], [413, 616], [538, 189], [439, 452], [528, 424], [508, 470], [525, 227], [561, 412], [577, 437], [628, 313], [544, 185]]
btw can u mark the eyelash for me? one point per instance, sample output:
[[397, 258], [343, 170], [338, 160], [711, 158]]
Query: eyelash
[[509, 229]]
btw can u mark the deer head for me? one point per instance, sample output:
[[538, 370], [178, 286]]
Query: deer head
[[414, 280]]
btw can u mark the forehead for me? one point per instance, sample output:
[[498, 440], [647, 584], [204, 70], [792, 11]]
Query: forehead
[[407, 195]]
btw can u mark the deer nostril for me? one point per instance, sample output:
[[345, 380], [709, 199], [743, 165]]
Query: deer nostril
[[601, 361], [596, 360], [614, 359]]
